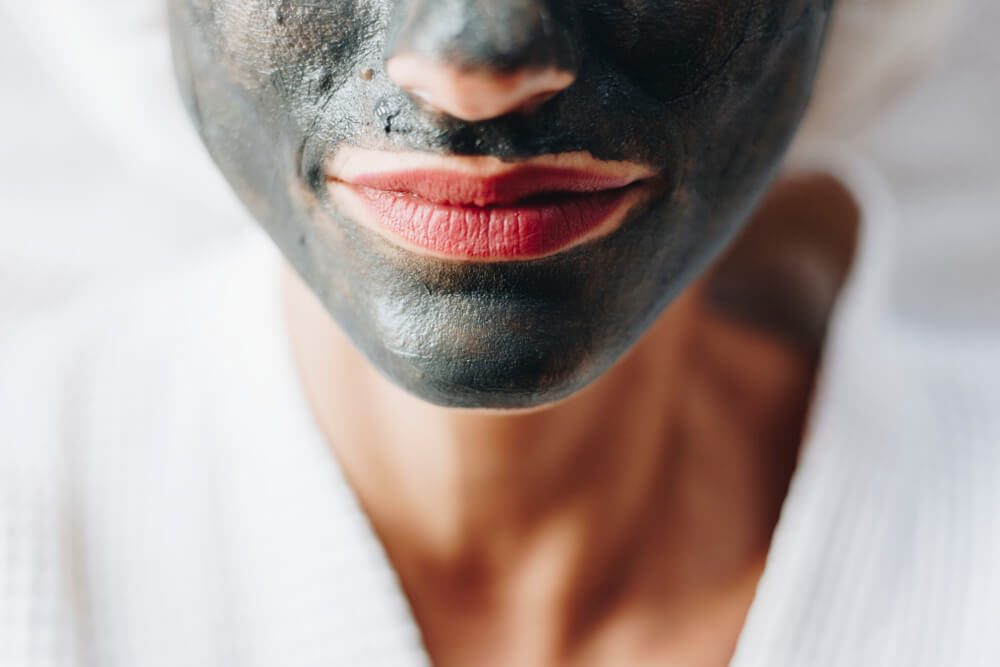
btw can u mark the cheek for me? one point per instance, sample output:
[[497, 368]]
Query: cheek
[[667, 46], [264, 41]]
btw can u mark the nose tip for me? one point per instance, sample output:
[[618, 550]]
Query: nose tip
[[479, 59], [476, 93]]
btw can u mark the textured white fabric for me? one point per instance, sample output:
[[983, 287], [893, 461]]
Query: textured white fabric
[[168, 500], [888, 547]]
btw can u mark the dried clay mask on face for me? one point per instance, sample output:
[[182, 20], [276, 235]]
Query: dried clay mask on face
[[701, 96]]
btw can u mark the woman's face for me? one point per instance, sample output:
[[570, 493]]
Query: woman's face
[[504, 255]]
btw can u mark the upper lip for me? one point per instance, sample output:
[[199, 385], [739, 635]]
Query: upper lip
[[518, 185], [480, 180]]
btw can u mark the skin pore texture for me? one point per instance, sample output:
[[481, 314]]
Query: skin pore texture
[[576, 457]]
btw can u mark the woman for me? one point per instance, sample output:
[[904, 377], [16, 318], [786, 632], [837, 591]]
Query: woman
[[563, 422]]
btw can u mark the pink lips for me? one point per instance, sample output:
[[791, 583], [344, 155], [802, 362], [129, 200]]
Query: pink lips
[[527, 212]]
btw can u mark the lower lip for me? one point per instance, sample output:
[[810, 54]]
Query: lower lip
[[514, 231]]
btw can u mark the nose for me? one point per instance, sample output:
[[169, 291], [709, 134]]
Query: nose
[[480, 59]]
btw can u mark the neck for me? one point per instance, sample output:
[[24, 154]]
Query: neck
[[472, 473], [651, 495], [493, 509]]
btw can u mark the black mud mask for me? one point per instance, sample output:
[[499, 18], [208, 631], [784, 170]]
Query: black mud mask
[[706, 92]]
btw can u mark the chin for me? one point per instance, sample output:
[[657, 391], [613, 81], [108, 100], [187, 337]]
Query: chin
[[519, 374], [487, 384], [465, 347]]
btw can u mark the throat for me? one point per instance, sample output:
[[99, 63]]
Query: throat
[[630, 520]]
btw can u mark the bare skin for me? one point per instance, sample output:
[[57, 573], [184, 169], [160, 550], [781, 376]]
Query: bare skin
[[629, 523]]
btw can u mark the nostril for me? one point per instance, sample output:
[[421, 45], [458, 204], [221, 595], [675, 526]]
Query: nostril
[[475, 94]]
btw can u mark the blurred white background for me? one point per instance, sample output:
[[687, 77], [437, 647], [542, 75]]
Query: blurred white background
[[939, 147], [92, 188]]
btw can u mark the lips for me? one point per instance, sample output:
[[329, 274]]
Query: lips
[[527, 212]]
